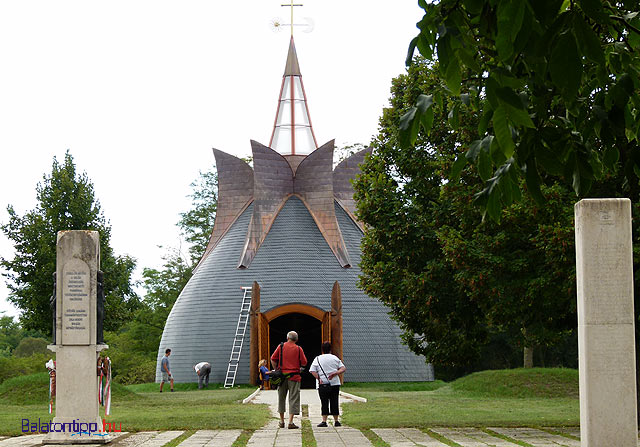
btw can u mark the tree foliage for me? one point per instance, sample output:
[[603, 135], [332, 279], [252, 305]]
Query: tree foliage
[[29, 346], [197, 223], [555, 85], [457, 287], [164, 285], [65, 201], [134, 347]]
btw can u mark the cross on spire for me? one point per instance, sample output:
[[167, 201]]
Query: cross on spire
[[291, 5]]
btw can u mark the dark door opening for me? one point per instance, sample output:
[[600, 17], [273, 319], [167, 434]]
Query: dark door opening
[[309, 338]]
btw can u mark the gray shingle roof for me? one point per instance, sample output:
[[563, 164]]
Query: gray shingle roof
[[293, 265]]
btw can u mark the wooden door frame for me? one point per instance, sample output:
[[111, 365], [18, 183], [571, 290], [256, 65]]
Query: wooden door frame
[[265, 318], [331, 329]]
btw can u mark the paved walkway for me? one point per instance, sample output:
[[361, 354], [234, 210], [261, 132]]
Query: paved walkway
[[272, 436]]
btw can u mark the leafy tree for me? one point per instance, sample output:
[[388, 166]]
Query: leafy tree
[[66, 201], [346, 151], [197, 223], [30, 345], [163, 286], [140, 337], [457, 287], [11, 333], [555, 84]]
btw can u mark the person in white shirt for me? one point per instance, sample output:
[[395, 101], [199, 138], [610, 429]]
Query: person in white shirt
[[203, 369], [326, 369]]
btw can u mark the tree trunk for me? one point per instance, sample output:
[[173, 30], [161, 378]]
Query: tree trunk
[[528, 357]]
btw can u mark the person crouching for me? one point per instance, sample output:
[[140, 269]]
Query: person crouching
[[203, 369]]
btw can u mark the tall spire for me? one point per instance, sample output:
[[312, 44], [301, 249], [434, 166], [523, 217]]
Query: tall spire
[[292, 131]]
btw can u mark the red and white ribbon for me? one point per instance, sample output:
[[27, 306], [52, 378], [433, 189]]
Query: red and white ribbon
[[107, 397], [51, 367], [50, 400]]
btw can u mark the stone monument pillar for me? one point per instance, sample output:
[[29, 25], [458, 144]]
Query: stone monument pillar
[[606, 337], [77, 265]]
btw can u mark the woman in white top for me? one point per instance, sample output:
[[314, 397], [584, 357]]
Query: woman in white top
[[326, 369]]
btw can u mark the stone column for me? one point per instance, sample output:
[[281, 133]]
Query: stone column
[[77, 264], [606, 337]]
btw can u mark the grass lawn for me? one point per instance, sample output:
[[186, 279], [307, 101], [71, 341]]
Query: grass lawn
[[520, 397], [139, 407], [534, 397]]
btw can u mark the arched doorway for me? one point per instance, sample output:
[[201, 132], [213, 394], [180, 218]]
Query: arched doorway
[[261, 346], [310, 338], [312, 324]]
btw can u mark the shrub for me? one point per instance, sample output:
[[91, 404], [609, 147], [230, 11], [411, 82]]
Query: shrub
[[19, 366], [129, 369], [31, 345]]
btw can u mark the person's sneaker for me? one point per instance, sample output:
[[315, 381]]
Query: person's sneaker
[[337, 424], [292, 425], [322, 424], [281, 424], [172, 391]]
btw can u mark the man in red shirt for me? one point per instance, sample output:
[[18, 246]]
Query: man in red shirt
[[293, 359]]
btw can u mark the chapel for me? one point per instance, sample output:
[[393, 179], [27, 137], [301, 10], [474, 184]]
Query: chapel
[[284, 255]]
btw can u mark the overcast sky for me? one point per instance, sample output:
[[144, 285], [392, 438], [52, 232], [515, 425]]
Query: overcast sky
[[139, 91]]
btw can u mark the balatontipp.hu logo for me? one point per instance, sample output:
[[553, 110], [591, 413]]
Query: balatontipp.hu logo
[[74, 428]]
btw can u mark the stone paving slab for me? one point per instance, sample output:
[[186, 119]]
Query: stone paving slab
[[272, 436], [135, 439], [211, 438], [572, 431], [407, 437], [265, 436], [160, 439], [472, 437], [22, 441], [339, 436], [535, 437], [288, 438], [83, 445], [114, 437]]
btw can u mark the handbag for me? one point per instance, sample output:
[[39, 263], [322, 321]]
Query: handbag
[[324, 386], [277, 376]]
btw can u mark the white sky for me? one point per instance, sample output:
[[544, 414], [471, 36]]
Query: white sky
[[140, 91]]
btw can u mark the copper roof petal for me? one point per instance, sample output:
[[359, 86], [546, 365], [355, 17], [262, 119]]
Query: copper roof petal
[[273, 183], [313, 183], [235, 192], [346, 171]]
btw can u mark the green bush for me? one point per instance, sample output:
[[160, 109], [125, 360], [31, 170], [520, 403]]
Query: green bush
[[19, 366], [132, 369], [31, 345]]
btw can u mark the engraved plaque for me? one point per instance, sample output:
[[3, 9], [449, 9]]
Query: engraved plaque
[[75, 303]]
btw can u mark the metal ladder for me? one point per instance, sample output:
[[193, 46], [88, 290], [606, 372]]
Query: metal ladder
[[238, 340]]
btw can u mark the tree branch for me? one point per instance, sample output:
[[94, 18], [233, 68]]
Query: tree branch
[[627, 24]]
